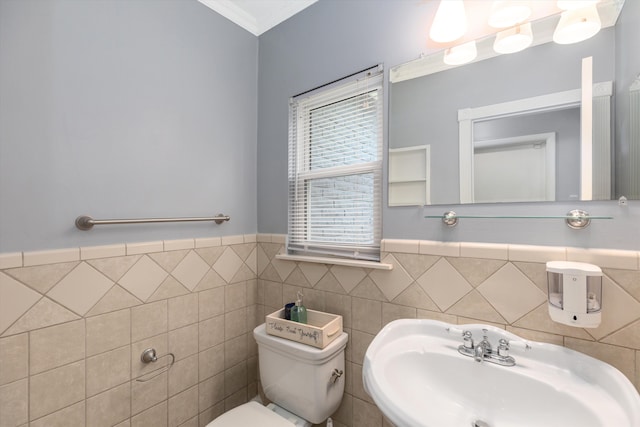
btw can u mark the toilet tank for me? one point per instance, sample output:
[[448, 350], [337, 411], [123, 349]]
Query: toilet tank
[[299, 377]]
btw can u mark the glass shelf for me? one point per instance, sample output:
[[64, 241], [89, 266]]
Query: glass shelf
[[519, 216], [576, 219]]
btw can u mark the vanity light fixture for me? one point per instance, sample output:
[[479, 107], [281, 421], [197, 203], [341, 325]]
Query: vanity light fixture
[[514, 39], [450, 22], [507, 13], [577, 25], [461, 54], [575, 4]]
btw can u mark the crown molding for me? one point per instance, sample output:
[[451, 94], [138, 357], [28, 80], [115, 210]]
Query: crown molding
[[257, 19]]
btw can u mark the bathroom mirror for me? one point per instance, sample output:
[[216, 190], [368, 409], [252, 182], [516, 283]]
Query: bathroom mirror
[[535, 150]]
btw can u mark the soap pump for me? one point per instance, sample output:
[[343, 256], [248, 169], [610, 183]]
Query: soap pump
[[299, 311], [575, 293]]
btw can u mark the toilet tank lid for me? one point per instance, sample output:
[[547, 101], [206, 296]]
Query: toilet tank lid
[[250, 414], [299, 350]]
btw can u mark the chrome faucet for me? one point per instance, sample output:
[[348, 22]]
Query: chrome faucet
[[483, 351], [486, 345], [479, 352], [483, 348]]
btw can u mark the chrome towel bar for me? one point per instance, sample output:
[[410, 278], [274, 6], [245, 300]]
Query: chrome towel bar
[[85, 222]]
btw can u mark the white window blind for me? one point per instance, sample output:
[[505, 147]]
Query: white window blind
[[335, 168]]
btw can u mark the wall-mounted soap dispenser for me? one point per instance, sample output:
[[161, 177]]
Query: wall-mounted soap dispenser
[[575, 293]]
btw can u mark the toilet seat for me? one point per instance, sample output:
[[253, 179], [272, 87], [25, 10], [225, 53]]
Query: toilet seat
[[249, 415]]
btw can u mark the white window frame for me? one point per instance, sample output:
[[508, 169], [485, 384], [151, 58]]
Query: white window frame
[[300, 240]]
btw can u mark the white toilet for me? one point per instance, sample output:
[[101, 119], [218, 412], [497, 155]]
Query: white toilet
[[304, 383]]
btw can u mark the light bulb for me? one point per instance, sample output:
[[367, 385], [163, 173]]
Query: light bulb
[[461, 54], [507, 13], [577, 25], [514, 39], [450, 22]]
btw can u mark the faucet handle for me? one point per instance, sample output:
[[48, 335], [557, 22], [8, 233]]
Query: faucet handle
[[503, 348], [468, 340]]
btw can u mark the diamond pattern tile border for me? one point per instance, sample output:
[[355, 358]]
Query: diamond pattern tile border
[[444, 284], [81, 289], [511, 293], [143, 278]]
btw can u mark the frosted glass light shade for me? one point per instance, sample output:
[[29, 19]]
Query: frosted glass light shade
[[450, 22], [507, 13], [575, 4], [577, 25], [462, 54], [514, 39]]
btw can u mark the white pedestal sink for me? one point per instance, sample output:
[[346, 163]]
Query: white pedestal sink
[[418, 378]]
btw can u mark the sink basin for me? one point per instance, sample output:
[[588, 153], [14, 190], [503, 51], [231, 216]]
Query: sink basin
[[416, 376]]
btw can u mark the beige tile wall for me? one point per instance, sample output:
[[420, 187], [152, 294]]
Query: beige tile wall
[[74, 322], [504, 285]]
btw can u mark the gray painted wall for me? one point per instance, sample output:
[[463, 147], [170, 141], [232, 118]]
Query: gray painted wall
[[148, 108], [333, 38], [119, 109]]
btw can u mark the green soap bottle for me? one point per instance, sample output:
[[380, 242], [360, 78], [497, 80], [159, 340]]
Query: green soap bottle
[[299, 311]]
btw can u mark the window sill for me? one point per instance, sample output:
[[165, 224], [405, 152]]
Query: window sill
[[336, 261]]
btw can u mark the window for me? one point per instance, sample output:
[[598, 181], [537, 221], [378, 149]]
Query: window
[[335, 168]]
